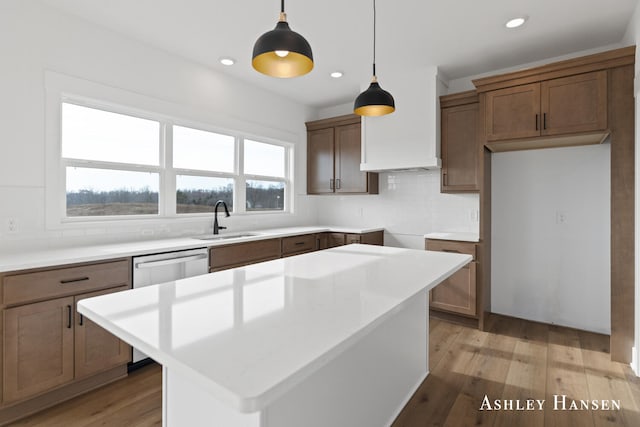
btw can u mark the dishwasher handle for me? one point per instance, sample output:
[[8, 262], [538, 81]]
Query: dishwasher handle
[[170, 261]]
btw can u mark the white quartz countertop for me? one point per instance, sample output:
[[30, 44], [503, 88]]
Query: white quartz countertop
[[454, 235], [23, 259], [250, 334]]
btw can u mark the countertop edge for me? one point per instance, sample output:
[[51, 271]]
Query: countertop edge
[[454, 236]]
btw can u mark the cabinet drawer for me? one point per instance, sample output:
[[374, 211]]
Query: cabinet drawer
[[451, 246], [47, 284], [298, 244], [243, 253]]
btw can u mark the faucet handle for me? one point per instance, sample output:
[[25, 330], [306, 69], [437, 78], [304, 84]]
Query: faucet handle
[[221, 227]]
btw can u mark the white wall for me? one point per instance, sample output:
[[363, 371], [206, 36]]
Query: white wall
[[35, 40], [551, 236]]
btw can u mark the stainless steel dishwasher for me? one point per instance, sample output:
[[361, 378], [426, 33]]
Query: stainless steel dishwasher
[[166, 267]]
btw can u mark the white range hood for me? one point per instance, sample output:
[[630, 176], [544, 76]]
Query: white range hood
[[409, 138]]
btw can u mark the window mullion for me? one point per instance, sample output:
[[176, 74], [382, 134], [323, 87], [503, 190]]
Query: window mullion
[[288, 186], [168, 195], [240, 193], [75, 163]]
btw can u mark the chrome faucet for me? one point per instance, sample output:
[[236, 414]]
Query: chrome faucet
[[216, 227]]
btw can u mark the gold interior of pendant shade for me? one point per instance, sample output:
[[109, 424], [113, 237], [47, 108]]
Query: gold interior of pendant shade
[[374, 110], [294, 64]]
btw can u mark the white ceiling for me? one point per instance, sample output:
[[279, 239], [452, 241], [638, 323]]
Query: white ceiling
[[463, 37]]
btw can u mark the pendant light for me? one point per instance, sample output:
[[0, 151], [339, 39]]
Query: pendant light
[[282, 52], [374, 101]]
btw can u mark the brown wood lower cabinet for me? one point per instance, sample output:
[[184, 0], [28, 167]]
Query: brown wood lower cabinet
[[334, 239], [373, 238], [296, 245], [331, 240], [96, 349], [38, 348], [50, 352], [457, 294], [234, 255], [239, 254]]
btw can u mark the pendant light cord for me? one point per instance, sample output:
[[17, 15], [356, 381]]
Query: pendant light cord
[[374, 37], [282, 6]]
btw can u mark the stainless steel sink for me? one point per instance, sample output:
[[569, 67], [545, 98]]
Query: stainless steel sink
[[226, 236]]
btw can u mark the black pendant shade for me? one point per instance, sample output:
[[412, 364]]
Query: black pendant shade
[[282, 52], [374, 101]]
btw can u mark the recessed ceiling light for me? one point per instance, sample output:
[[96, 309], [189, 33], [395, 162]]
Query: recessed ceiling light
[[227, 61], [336, 74], [516, 22]]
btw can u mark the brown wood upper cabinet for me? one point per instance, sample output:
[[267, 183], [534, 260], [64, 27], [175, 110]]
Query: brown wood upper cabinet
[[333, 158], [566, 105], [459, 142]]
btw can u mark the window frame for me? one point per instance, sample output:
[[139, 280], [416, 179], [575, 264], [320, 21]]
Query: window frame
[[167, 189], [288, 153]]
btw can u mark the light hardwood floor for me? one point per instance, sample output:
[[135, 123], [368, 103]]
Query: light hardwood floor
[[514, 359]]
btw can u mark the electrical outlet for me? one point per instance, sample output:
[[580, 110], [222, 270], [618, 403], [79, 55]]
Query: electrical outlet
[[561, 217], [12, 225], [474, 215]]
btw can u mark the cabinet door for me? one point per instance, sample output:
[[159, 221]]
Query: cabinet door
[[459, 147], [372, 238], [513, 112], [457, 294], [96, 349], [335, 239], [574, 104], [38, 348], [320, 166], [236, 254], [351, 238], [349, 178]]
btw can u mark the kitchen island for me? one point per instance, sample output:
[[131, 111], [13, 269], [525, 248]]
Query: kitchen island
[[337, 337]]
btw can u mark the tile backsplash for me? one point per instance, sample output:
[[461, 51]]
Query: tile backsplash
[[409, 205]]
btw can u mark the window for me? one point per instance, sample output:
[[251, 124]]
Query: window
[[265, 169], [199, 194], [205, 166], [117, 164], [111, 163]]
